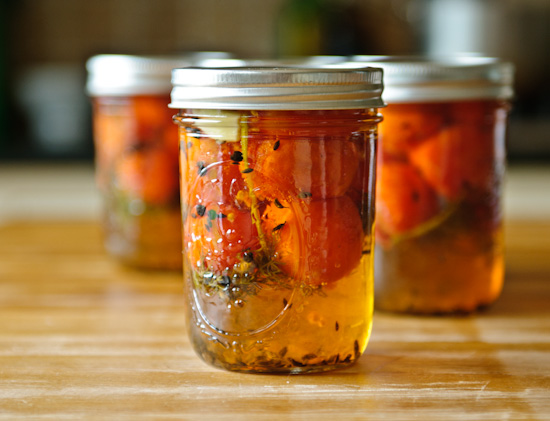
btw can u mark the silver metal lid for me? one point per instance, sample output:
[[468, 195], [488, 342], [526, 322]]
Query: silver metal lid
[[276, 88], [432, 79], [119, 74]]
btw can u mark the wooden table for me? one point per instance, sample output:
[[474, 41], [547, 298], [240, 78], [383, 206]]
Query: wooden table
[[82, 337]]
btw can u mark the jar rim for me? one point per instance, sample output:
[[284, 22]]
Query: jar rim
[[276, 88], [439, 78]]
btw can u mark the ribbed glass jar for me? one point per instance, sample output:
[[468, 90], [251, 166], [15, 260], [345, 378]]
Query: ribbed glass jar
[[136, 145], [441, 164], [277, 192]]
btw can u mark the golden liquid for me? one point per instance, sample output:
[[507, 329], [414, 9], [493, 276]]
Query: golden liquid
[[450, 270], [149, 240], [285, 330]]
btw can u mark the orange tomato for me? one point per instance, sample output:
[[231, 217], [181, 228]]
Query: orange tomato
[[407, 125], [286, 167], [150, 174], [304, 152], [136, 139], [457, 159], [152, 117], [404, 199], [210, 171], [317, 241], [218, 226]]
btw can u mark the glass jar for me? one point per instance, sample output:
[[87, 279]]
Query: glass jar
[[136, 145], [441, 160], [277, 184]]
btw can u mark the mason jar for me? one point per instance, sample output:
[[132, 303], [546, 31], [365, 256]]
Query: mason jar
[[136, 156], [441, 164], [277, 193]]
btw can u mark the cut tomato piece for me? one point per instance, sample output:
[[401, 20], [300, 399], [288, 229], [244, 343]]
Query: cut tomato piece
[[150, 174], [307, 153], [152, 116], [404, 200], [407, 125], [459, 158], [318, 241], [292, 167]]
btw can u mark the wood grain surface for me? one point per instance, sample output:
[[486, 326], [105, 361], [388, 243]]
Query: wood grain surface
[[84, 338]]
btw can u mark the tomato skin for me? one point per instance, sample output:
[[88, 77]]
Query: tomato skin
[[319, 241], [408, 125], [217, 236], [286, 167], [456, 160], [218, 225], [152, 116], [150, 174], [404, 199], [304, 152], [208, 172]]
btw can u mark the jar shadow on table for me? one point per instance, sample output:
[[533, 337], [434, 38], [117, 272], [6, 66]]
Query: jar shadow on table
[[447, 354]]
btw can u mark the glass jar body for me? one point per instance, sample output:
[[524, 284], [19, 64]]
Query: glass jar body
[[439, 206], [137, 174], [277, 230]]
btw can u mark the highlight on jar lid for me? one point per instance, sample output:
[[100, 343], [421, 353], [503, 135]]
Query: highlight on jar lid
[[122, 74], [442, 78], [295, 61], [276, 88]]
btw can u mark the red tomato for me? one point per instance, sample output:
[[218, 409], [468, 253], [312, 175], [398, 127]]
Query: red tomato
[[304, 152], [318, 241], [286, 167], [217, 236]]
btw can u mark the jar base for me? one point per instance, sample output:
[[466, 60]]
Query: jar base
[[277, 366], [456, 311]]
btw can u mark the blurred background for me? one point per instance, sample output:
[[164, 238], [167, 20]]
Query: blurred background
[[45, 115], [44, 44]]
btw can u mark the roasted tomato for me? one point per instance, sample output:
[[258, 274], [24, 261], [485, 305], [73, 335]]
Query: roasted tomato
[[150, 174], [136, 139], [407, 125], [211, 171], [317, 168], [290, 157], [317, 241], [217, 237], [456, 160], [404, 200]]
